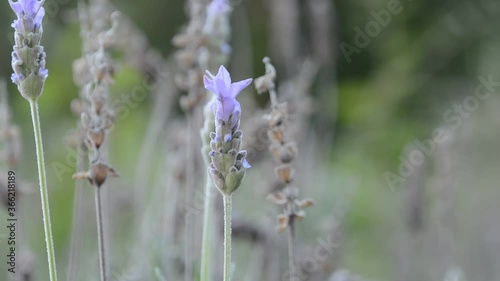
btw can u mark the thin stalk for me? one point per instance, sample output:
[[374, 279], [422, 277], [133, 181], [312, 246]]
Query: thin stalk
[[227, 237], [205, 272], [188, 266], [76, 230], [291, 248], [44, 194], [100, 233]]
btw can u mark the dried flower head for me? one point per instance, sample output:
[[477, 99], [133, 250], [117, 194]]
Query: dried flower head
[[94, 74], [283, 151], [97, 174], [203, 45]]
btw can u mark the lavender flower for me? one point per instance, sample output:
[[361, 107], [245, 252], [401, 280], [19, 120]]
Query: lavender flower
[[228, 162], [226, 92], [28, 63], [28, 57]]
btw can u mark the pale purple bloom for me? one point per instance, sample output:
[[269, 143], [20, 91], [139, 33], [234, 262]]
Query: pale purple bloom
[[16, 78], [29, 13], [229, 163], [226, 92], [43, 73]]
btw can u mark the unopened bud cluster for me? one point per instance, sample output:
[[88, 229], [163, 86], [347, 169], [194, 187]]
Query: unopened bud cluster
[[284, 152], [94, 74], [228, 162], [202, 45]]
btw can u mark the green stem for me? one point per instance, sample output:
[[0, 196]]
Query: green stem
[[44, 194], [100, 233], [190, 161], [291, 247], [206, 259], [76, 229], [227, 237]]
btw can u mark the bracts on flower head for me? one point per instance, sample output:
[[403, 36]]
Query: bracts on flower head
[[28, 56], [228, 165]]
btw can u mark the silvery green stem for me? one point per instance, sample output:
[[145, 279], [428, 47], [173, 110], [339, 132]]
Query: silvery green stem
[[190, 162], [227, 237], [291, 248], [159, 275], [100, 234], [76, 235], [44, 194], [206, 247], [206, 258]]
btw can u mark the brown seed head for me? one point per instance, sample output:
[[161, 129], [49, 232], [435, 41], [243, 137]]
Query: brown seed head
[[277, 135], [285, 173]]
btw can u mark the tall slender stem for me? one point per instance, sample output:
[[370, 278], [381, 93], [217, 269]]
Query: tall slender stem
[[100, 233], [44, 194], [206, 258], [291, 248], [227, 237], [190, 162], [76, 229]]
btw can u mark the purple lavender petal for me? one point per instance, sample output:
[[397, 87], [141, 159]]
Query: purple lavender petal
[[226, 92], [209, 85], [227, 107], [43, 73], [227, 138], [223, 81], [245, 164], [224, 74], [16, 78], [29, 13], [237, 87], [16, 7], [17, 24], [24, 4], [39, 16]]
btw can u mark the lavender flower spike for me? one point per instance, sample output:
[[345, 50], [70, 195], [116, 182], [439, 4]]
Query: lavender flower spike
[[228, 162], [28, 57]]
